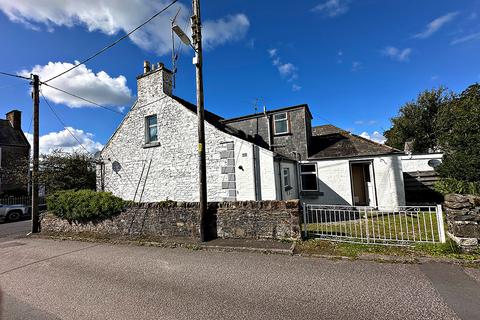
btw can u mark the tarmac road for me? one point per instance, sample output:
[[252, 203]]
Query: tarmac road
[[46, 279]]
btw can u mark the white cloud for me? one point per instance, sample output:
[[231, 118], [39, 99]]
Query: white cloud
[[296, 87], [375, 136], [114, 16], [230, 28], [98, 87], [396, 53], [272, 52], [470, 37], [366, 122], [332, 8], [435, 25], [356, 65], [287, 70], [63, 140]]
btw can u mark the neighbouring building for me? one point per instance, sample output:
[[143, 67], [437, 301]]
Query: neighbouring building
[[272, 155], [14, 153], [420, 175]]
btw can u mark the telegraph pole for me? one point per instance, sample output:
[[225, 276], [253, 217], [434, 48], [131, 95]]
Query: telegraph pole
[[36, 102], [197, 43]]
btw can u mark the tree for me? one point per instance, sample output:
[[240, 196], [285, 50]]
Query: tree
[[416, 122], [65, 171], [458, 131]]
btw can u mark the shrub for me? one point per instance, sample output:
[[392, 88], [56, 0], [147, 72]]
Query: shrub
[[450, 185], [84, 205]]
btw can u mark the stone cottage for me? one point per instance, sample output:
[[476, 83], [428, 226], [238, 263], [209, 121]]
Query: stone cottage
[[272, 155], [14, 153]]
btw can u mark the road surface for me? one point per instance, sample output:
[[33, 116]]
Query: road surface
[[46, 279], [12, 230]]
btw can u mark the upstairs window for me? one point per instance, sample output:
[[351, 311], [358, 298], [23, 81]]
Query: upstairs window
[[308, 176], [151, 129], [280, 123]]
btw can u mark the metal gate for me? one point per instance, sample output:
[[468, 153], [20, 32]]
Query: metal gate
[[395, 226]]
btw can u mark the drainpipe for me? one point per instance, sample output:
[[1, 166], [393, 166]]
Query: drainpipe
[[298, 158], [268, 128], [280, 179], [255, 186]]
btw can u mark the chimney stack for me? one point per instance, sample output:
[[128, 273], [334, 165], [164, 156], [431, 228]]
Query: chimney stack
[[155, 81], [15, 119], [146, 66]]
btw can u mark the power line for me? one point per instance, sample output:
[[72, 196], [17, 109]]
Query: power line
[[14, 75], [63, 123], [84, 99], [114, 43]]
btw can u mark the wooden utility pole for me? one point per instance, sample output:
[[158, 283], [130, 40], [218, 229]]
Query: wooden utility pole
[[36, 122], [197, 43]]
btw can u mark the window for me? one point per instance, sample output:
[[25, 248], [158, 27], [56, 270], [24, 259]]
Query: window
[[308, 175], [286, 177], [280, 121], [151, 129]]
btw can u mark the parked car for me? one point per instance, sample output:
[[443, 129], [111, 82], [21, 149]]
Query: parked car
[[13, 212]]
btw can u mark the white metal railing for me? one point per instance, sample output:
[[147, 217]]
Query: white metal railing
[[25, 200], [395, 226]]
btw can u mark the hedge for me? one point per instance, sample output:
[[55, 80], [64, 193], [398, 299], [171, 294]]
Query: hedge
[[450, 185], [84, 205]]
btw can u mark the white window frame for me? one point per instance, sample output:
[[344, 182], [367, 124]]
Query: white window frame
[[308, 173], [275, 120], [286, 175], [147, 129]]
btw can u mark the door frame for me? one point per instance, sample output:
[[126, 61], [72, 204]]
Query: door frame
[[371, 170]]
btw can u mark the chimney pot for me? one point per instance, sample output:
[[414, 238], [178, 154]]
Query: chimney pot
[[146, 66], [15, 119]]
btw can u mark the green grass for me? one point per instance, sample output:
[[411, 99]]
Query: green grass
[[354, 250], [420, 226]]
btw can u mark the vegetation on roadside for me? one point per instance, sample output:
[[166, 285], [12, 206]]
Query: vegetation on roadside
[[84, 205], [353, 250], [450, 185], [443, 121]]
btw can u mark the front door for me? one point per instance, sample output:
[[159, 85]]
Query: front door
[[361, 183]]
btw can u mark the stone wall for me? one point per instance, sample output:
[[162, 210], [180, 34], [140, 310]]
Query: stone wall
[[246, 219], [463, 219], [263, 219]]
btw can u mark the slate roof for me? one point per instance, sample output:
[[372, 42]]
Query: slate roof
[[261, 114], [329, 141], [10, 136], [215, 120]]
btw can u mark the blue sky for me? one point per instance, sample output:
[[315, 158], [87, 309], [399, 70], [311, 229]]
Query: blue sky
[[354, 62]]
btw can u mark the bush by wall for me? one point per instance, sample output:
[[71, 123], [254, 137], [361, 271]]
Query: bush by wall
[[84, 205], [451, 185]]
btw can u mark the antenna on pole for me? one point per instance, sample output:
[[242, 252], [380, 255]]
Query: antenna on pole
[[174, 55]]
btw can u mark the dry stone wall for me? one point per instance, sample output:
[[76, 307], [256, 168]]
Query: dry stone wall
[[246, 219], [463, 218]]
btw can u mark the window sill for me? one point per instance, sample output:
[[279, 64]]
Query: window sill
[[313, 193], [282, 134], [151, 145]]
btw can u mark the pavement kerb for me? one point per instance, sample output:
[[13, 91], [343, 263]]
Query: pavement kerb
[[366, 257]]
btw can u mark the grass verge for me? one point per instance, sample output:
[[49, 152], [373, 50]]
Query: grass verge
[[448, 250]]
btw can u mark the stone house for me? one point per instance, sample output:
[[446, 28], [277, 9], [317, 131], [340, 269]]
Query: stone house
[[14, 152], [272, 155]]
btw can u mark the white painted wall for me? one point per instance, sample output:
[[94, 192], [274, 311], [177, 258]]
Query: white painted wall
[[267, 175], [419, 162], [173, 173], [335, 183]]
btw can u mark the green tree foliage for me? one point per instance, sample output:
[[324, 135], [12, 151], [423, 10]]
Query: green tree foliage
[[65, 171], [458, 130], [84, 205], [416, 122]]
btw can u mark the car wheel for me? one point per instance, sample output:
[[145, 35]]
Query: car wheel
[[14, 215]]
